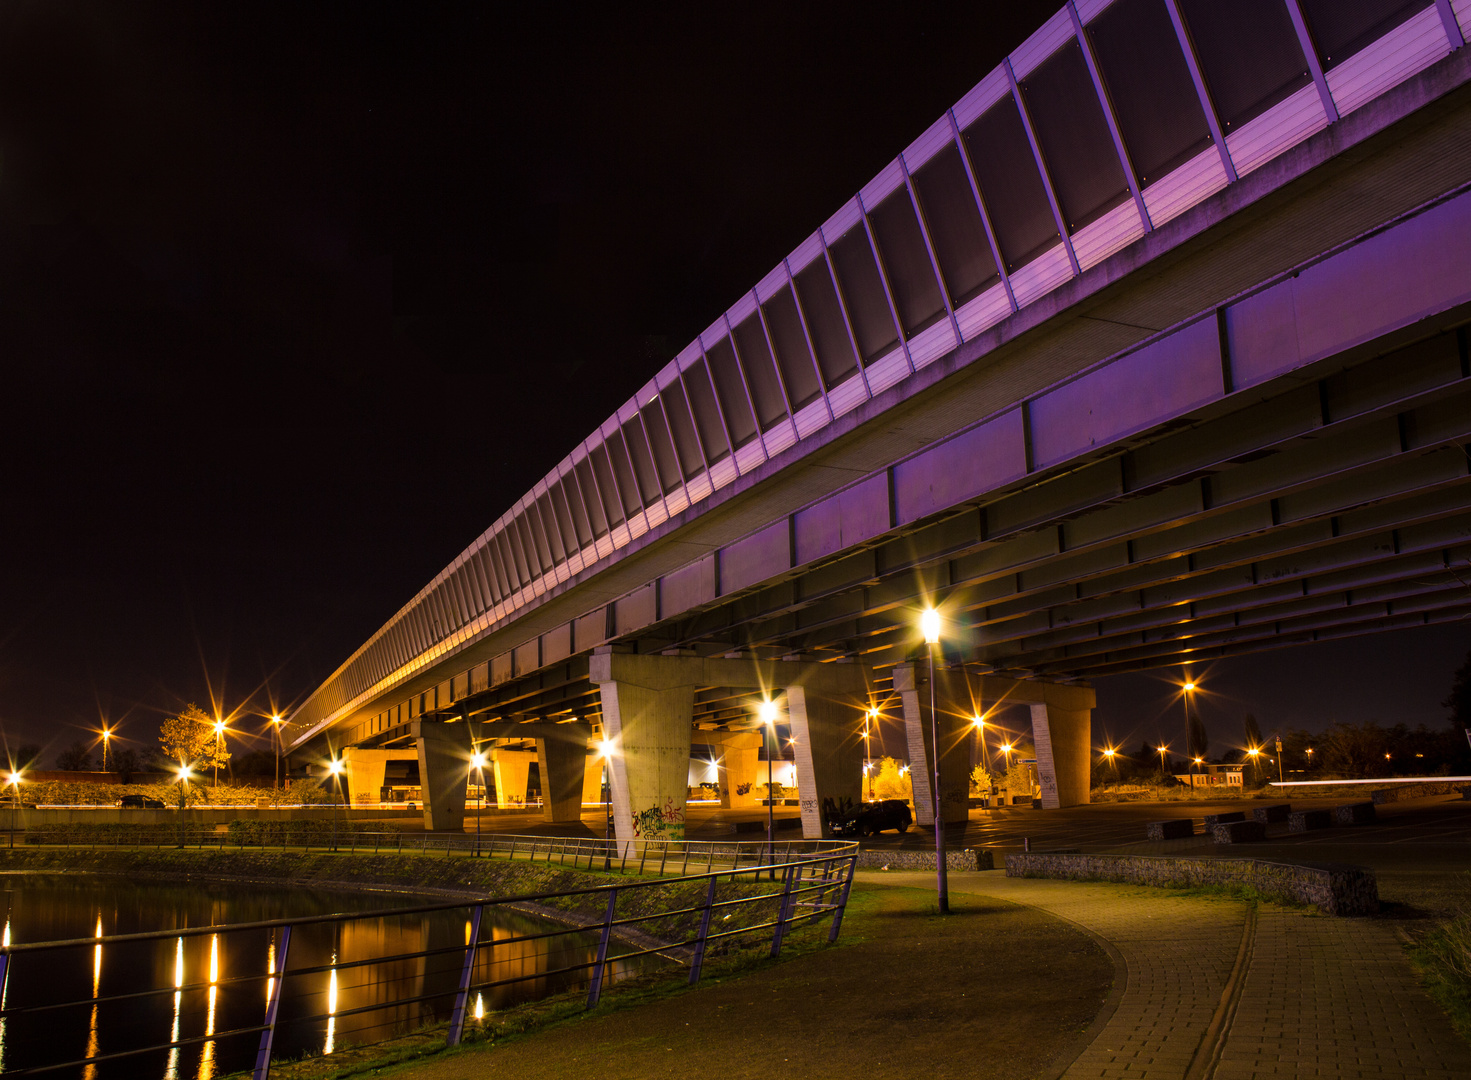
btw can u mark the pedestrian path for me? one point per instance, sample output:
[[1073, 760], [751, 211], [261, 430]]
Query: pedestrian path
[[1218, 990]]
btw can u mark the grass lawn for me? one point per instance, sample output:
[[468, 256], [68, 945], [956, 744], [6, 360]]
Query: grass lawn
[[992, 991]]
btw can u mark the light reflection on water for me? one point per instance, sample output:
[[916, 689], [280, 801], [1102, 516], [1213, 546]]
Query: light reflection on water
[[199, 970]]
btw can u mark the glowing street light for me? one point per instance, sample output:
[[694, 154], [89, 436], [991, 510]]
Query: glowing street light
[[768, 717], [980, 725], [869, 721], [219, 746], [13, 782], [929, 626], [276, 730], [1188, 688], [106, 736], [605, 751], [477, 762]]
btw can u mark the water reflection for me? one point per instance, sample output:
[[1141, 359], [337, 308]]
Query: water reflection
[[217, 979], [171, 1072]]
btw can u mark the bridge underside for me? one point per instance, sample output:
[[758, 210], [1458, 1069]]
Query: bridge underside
[[1251, 438]]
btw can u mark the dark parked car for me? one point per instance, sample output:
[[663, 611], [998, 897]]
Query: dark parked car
[[872, 818], [139, 802]]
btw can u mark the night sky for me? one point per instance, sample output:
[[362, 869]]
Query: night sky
[[296, 299]]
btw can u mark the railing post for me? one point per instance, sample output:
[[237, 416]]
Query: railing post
[[273, 1006], [832, 934], [699, 959], [781, 911], [462, 998], [595, 990], [663, 857]]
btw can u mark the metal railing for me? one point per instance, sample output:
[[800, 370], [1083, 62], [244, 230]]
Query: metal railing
[[706, 909], [621, 856]]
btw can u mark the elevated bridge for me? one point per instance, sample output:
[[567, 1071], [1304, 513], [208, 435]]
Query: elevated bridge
[[1151, 350]]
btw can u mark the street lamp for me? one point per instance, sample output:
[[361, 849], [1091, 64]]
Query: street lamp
[[768, 717], [106, 735], [605, 751], [276, 723], [868, 723], [1162, 748], [980, 723], [219, 745], [929, 625], [478, 764], [13, 782], [1189, 687], [334, 769]]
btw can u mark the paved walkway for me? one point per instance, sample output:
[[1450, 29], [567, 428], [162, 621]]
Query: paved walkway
[[1215, 990]]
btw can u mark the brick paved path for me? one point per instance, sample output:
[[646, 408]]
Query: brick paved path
[[1216, 991]]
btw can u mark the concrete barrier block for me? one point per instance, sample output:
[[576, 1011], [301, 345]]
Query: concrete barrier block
[[1174, 829], [1354, 813], [1308, 820], [1271, 815], [1224, 819], [1238, 832]]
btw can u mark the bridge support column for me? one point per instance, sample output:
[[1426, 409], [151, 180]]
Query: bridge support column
[[511, 770], [952, 696], [648, 708], [736, 765], [563, 769], [364, 771], [1062, 723], [829, 755], [444, 771], [1064, 754]]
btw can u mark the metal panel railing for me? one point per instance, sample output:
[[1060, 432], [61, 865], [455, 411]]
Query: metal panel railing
[[612, 926]]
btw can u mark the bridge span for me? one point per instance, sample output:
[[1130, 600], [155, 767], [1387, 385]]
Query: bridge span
[[1153, 349]]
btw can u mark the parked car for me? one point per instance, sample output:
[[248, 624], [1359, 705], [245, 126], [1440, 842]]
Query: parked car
[[139, 802], [869, 819]]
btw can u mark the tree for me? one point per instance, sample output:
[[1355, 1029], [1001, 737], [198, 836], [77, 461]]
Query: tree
[[190, 740], [26, 755], [75, 758], [1199, 742], [1459, 701], [891, 781], [125, 762]]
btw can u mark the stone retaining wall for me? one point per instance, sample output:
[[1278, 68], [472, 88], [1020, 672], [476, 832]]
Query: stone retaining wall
[[1335, 889], [955, 859]]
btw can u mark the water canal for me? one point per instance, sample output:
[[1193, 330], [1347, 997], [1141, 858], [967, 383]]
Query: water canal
[[213, 982]]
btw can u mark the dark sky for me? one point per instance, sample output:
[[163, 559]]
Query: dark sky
[[296, 299]]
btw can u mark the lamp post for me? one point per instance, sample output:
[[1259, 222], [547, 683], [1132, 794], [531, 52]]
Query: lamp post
[[768, 717], [1110, 755], [868, 723], [478, 764], [929, 624], [276, 728], [1189, 686], [106, 736], [980, 723], [14, 784], [334, 768], [1279, 759], [1162, 748], [219, 744], [605, 751]]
